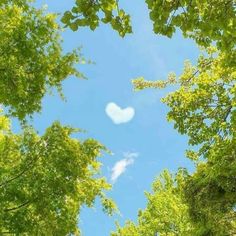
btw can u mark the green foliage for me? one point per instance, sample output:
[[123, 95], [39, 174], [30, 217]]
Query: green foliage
[[31, 58], [166, 212], [211, 191], [203, 108], [45, 180], [202, 105], [92, 12], [203, 20]]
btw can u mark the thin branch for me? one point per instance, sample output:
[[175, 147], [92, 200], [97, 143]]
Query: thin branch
[[170, 19], [117, 6], [13, 178], [18, 207], [22, 172], [5, 232], [198, 71], [227, 113]]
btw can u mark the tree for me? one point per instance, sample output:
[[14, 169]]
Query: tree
[[210, 192], [31, 58], [202, 20], [166, 212], [45, 180], [35, 171], [88, 13], [203, 107]]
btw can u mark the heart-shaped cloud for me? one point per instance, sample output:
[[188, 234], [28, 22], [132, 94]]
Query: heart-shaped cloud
[[119, 115]]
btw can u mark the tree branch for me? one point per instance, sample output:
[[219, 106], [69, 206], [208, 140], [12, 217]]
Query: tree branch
[[22, 172], [18, 207], [227, 113]]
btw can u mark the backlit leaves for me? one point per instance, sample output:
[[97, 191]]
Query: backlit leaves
[[166, 212], [31, 57], [45, 180], [93, 12], [203, 108], [204, 21]]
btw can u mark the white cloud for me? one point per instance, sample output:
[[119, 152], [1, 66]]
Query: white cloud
[[119, 115], [131, 155], [120, 167]]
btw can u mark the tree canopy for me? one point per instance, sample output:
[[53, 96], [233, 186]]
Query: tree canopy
[[45, 180], [204, 21], [31, 57], [203, 108], [166, 212]]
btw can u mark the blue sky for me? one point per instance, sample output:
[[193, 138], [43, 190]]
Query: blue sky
[[145, 145]]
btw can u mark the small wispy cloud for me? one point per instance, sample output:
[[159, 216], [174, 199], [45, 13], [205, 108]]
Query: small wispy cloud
[[120, 167], [119, 115]]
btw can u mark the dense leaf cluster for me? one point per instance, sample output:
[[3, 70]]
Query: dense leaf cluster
[[45, 180], [31, 58], [166, 212], [92, 12], [203, 20], [203, 107]]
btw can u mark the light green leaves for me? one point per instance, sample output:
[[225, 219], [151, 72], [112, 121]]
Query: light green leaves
[[166, 212], [44, 181], [203, 107], [140, 83], [204, 21], [31, 58]]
